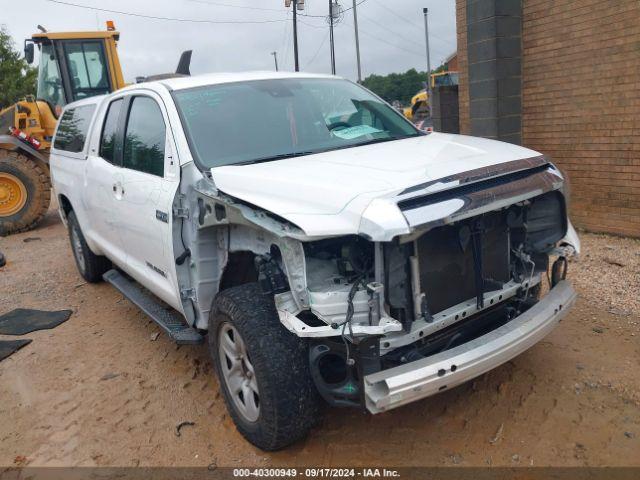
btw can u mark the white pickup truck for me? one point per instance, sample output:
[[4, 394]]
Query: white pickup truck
[[325, 247]]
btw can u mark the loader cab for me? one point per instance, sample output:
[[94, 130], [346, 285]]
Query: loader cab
[[75, 65]]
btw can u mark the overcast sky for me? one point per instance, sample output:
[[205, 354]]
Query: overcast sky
[[391, 33]]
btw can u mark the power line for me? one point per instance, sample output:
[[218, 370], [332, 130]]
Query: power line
[[399, 16], [443, 40], [324, 40], [388, 29], [414, 25], [376, 37], [343, 11], [396, 34], [171, 19], [312, 25], [287, 43], [236, 6], [357, 5], [283, 43], [285, 35]]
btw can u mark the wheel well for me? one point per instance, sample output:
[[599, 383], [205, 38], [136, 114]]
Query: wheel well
[[240, 269], [65, 204]]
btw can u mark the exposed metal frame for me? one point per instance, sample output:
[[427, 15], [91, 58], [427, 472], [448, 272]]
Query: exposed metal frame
[[398, 386], [421, 328]]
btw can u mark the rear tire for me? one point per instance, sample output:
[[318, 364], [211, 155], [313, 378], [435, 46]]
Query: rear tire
[[276, 366], [25, 192], [90, 265]]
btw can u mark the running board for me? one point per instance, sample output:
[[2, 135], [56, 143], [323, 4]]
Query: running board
[[167, 318]]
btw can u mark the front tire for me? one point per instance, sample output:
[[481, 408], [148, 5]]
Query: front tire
[[263, 369], [25, 192], [90, 265]]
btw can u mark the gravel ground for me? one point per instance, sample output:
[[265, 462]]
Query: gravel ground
[[607, 273], [103, 389]]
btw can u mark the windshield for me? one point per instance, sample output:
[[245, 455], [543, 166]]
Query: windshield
[[87, 68], [265, 120], [448, 79], [49, 81]]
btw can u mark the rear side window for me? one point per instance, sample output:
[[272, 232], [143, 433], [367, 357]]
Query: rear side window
[[73, 128], [145, 137], [109, 132]]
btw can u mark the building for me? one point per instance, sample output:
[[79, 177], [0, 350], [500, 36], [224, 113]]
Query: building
[[561, 77], [451, 62]]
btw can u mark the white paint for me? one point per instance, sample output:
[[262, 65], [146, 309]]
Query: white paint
[[328, 193]]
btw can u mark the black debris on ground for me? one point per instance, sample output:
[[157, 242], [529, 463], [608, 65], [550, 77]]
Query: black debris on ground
[[183, 424], [9, 347], [23, 320]]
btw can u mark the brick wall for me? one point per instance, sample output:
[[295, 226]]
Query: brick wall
[[452, 63], [445, 112], [463, 87], [581, 103], [494, 64]]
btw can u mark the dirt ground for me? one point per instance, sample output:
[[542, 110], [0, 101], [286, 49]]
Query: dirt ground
[[98, 390]]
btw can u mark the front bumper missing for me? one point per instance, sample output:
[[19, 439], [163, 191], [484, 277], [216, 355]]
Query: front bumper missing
[[407, 383]]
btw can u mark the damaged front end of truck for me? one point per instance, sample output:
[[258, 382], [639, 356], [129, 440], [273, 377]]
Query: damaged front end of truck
[[439, 283]]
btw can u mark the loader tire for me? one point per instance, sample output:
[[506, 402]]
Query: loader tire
[[25, 192]]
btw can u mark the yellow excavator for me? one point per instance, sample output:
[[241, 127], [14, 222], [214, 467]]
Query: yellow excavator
[[73, 65]]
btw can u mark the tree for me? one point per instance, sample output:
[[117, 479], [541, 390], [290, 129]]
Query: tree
[[17, 77], [398, 86]]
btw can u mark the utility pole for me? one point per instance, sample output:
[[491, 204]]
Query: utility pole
[[355, 25], [295, 35], [275, 59], [333, 52], [426, 32]]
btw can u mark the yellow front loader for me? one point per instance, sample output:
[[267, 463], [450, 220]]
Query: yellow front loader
[[73, 65], [419, 106]]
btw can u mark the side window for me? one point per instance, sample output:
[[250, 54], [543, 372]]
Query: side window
[[73, 128], [109, 131], [145, 137]]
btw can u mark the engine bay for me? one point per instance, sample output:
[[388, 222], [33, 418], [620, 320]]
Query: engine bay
[[446, 286]]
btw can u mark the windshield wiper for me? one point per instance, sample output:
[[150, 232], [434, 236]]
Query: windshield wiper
[[283, 156], [376, 140], [379, 140], [271, 158]]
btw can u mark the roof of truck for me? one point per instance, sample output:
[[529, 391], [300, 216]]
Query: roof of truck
[[180, 83]]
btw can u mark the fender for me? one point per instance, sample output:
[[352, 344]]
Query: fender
[[572, 239], [19, 145]]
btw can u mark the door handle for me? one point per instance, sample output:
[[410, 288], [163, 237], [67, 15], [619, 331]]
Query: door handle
[[116, 187]]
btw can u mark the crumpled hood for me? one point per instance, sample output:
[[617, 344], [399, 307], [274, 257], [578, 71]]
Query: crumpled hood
[[326, 193]]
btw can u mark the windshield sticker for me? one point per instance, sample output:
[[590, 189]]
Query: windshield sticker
[[355, 132]]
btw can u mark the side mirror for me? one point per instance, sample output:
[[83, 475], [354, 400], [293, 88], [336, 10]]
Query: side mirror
[[28, 52]]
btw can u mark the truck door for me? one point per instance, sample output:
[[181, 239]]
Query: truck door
[[150, 178], [103, 178]]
